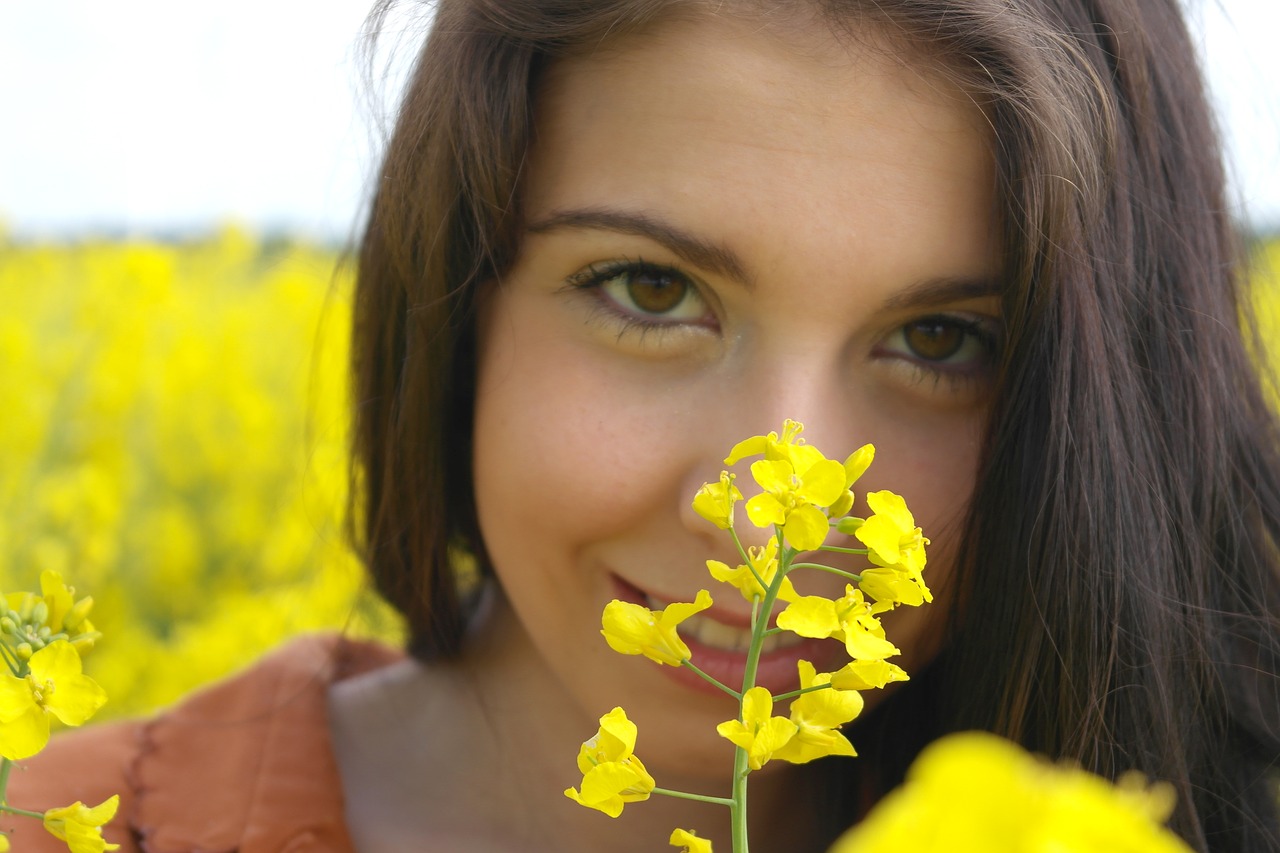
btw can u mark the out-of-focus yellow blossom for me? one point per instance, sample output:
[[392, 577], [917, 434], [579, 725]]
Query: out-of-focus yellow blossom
[[4, 843], [974, 792], [758, 732], [612, 775], [81, 826], [65, 612], [850, 619], [714, 501], [175, 436], [689, 842], [854, 467], [632, 629], [765, 562], [866, 675], [896, 545], [55, 685], [818, 716]]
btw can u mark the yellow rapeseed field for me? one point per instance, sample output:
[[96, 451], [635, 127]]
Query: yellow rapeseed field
[[173, 441]]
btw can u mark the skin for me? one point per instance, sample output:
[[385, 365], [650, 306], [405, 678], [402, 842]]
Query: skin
[[828, 197]]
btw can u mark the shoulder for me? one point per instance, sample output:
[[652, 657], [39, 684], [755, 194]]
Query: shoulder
[[244, 764]]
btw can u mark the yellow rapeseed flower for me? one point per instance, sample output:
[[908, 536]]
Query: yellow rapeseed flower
[[794, 498], [714, 501], [850, 618], [765, 562], [974, 792], [896, 546], [65, 612], [612, 775], [689, 842], [54, 685], [81, 826], [818, 716], [758, 732], [866, 674], [632, 629]]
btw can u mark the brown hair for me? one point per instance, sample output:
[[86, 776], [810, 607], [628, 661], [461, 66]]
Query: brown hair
[[1119, 571]]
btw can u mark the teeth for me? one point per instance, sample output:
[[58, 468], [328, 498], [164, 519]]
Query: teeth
[[717, 635]]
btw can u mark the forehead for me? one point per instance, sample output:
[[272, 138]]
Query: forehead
[[740, 127]]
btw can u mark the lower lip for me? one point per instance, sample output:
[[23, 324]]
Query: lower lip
[[775, 670]]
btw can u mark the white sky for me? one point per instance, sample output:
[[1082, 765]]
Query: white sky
[[164, 116]]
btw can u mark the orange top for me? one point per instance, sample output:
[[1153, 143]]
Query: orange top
[[245, 765]]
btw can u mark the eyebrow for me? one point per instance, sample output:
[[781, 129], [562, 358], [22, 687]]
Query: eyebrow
[[724, 261], [938, 291], [709, 256]]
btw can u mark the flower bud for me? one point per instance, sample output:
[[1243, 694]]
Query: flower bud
[[24, 651], [77, 614], [83, 644], [39, 613]]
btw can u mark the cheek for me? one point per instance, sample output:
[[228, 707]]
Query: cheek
[[561, 440]]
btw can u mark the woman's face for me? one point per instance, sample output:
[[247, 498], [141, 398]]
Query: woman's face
[[726, 227]]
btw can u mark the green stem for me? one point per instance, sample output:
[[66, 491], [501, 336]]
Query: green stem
[[738, 811], [23, 812], [831, 569], [5, 766], [702, 798], [782, 697], [738, 803], [12, 660], [746, 560], [711, 679], [838, 550]]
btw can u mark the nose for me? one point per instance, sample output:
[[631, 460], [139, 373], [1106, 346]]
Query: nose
[[794, 386]]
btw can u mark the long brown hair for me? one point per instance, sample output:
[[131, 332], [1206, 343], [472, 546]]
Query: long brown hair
[[1120, 579]]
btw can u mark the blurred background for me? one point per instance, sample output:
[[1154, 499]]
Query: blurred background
[[177, 181]]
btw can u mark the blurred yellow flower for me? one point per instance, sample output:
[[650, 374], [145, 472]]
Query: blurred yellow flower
[[689, 842], [758, 732], [612, 775], [175, 434], [81, 826], [632, 629], [818, 717], [65, 612], [54, 685], [976, 793]]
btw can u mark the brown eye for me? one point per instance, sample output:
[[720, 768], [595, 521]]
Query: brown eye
[[934, 338], [649, 292], [654, 292]]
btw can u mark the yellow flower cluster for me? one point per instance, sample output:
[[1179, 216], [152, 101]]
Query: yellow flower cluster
[[42, 638], [803, 496], [175, 436]]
